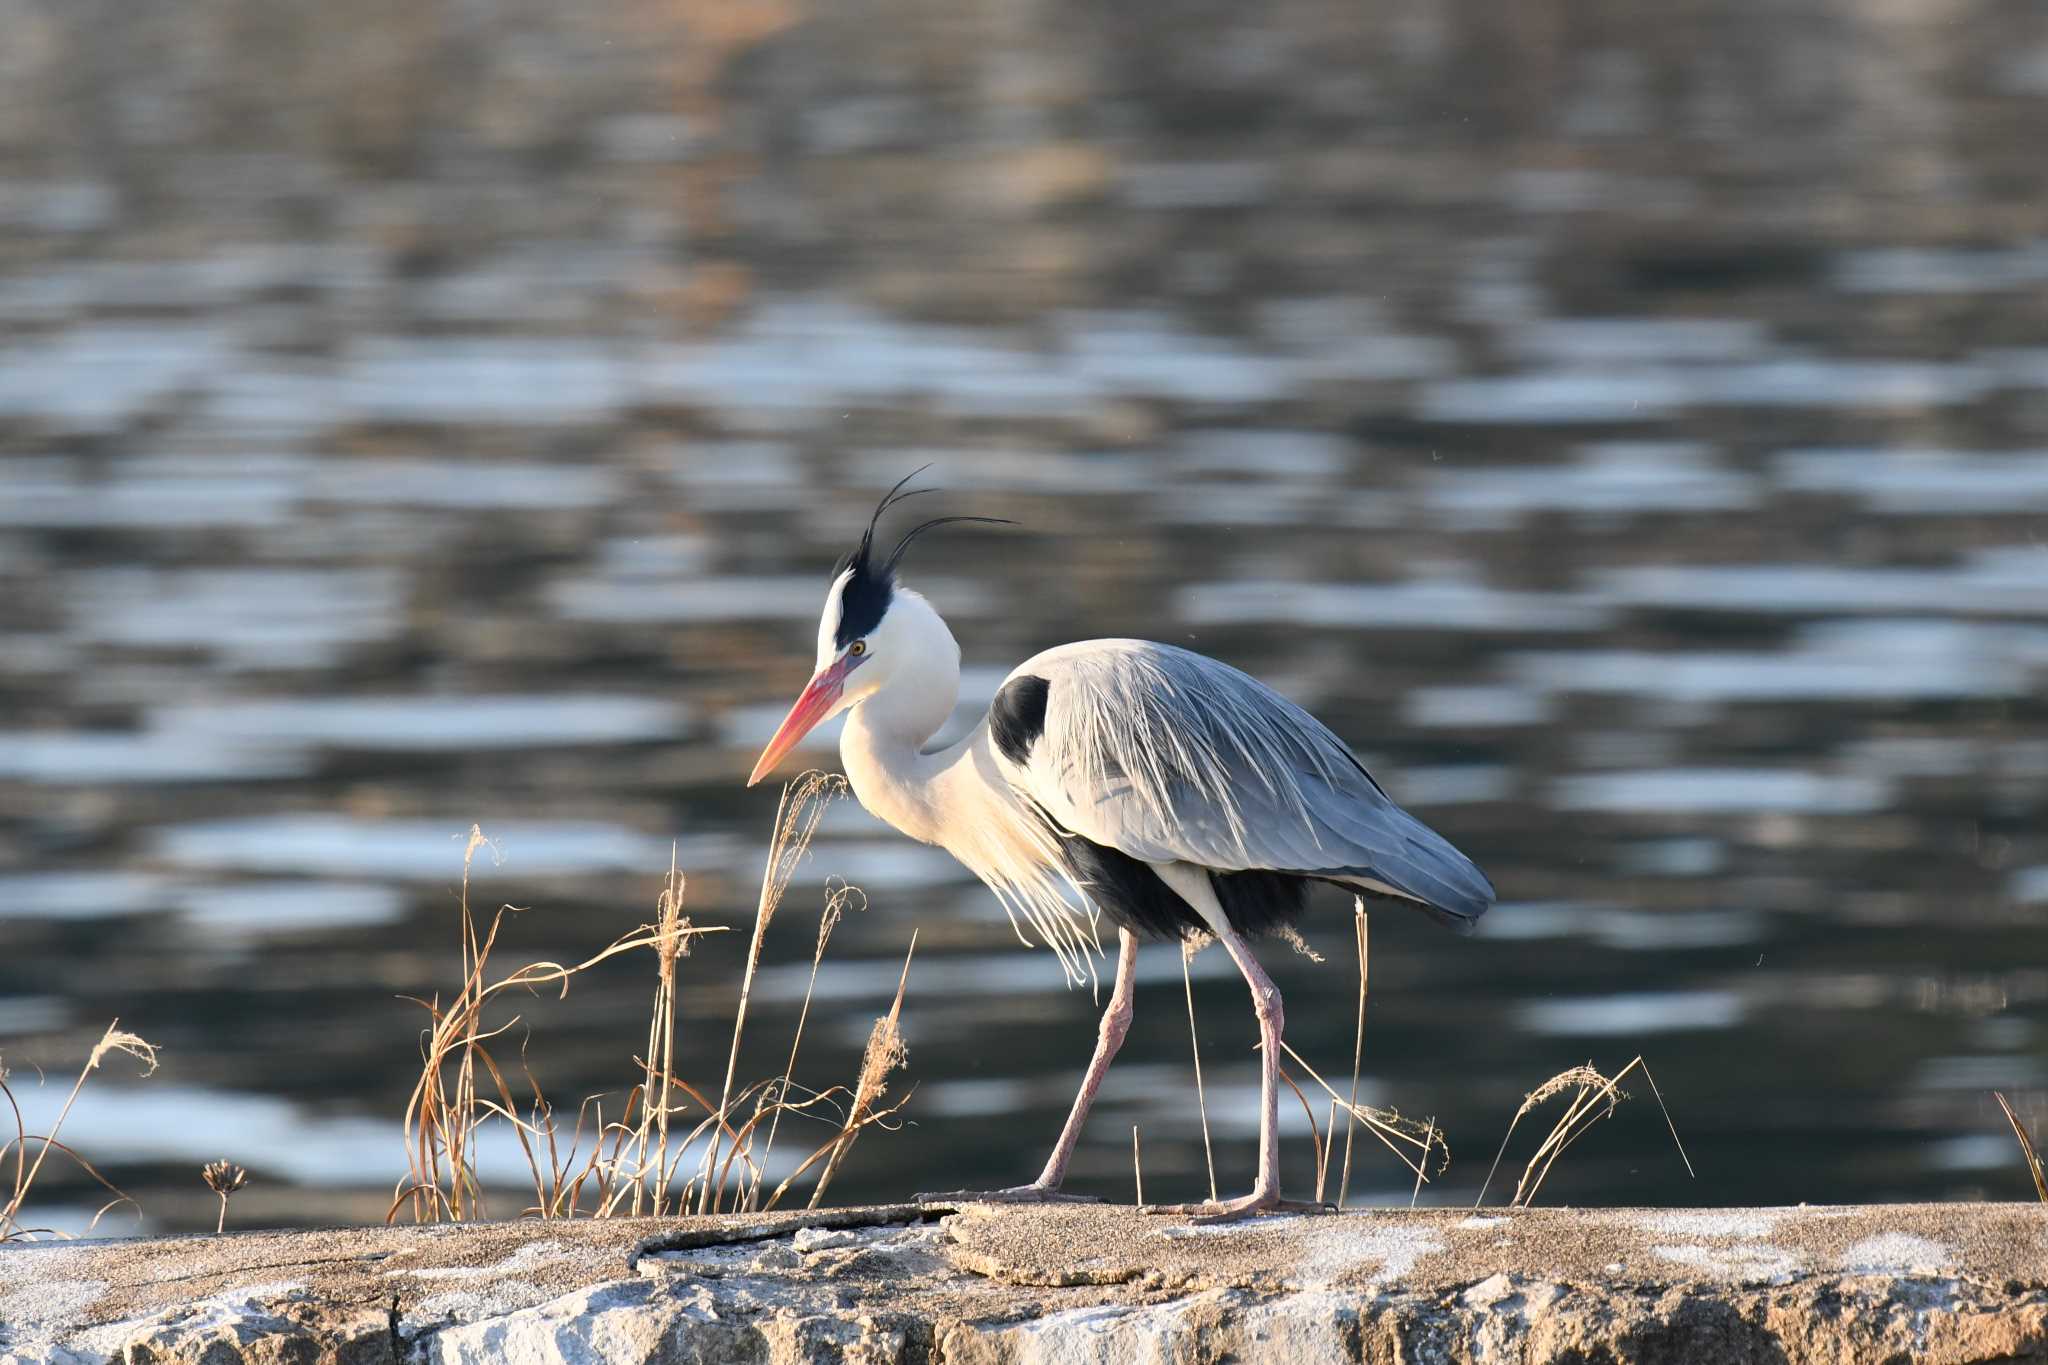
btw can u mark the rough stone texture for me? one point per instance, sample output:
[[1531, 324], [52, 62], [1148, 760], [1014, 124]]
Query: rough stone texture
[[1936, 1283]]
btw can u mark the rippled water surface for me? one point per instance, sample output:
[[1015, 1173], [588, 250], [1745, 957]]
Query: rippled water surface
[[1673, 541]]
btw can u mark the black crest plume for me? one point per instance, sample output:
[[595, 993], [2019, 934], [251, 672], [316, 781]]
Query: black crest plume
[[870, 584]]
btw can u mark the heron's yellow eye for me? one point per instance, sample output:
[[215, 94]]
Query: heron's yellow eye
[[857, 648]]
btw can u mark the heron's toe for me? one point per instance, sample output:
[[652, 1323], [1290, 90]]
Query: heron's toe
[[1236, 1210], [1016, 1194]]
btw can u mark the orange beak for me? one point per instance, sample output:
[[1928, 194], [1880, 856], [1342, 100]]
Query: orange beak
[[810, 708]]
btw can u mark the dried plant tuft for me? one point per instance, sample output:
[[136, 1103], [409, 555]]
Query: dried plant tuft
[[1593, 1097], [223, 1178]]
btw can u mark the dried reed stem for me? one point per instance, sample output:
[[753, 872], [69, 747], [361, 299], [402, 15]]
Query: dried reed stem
[[671, 941], [1316, 1143], [1358, 928], [1323, 1157], [885, 1052], [796, 821], [1593, 1097], [1201, 1097], [442, 1119], [1428, 1134], [1389, 1127], [2026, 1145], [837, 899], [113, 1040]]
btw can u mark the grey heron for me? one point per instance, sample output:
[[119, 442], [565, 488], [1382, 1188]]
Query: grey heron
[[1120, 779]]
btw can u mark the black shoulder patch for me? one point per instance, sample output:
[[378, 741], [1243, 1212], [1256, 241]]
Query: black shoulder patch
[[1016, 718]]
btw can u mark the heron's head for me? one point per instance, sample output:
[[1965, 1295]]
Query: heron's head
[[873, 632]]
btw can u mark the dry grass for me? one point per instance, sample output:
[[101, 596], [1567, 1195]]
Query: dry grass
[[26, 1171], [1593, 1097], [885, 1053], [1187, 949], [1421, 1147], [838, 899], [223, 1178], [634, 1163], [1360, 939], [2019, 1131], [796, 822]]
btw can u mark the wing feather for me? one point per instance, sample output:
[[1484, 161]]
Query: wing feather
[[1169, 756]]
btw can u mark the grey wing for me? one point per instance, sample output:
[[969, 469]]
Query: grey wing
[[1169, 756]]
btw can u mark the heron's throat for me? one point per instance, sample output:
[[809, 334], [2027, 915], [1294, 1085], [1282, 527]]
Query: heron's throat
[[884, 743]]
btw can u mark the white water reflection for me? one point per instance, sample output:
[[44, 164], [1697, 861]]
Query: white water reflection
[[241, 908], [2005, 581], [153, 1120], [459, 486], [78, 895], [272, 738], [1631, 1014], [253, 909], [1555, 398], [22, 1015], [482, 379], [1891, 660], [1981, 1073], [1818, 382], [1942, 270], [427, 850], [1450, 601], [425, 724], [1634, 391], [1475, 707], [1607, 479], [1625, 930], [97, 378], [1728, 791], [86, 757], [1453, 784], [245, 617], [152, 491], [1921, 483], [1636, 341]]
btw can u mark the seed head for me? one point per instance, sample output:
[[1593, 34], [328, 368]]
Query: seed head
[[224, 1177]]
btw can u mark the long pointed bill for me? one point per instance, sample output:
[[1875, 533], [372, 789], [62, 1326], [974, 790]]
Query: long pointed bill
[[810, 708]]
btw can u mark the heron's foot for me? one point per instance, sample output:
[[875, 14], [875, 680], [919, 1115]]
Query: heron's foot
[[1033, 1193], [1236, 1210]]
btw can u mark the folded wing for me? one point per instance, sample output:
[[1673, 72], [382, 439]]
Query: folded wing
[[1170, 756]]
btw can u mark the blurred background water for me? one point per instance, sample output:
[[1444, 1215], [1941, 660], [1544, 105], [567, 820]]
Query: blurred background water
[[1627, 426]]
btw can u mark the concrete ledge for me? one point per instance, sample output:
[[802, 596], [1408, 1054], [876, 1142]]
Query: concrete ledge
[[1084, 1283]]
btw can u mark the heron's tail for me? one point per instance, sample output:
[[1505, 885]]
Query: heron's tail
[[1428, 870]]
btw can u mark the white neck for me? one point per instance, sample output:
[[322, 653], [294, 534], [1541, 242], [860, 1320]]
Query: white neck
[[883, 743], [955, 797]]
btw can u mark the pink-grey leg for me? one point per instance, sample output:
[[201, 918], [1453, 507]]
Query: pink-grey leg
[[1194, 886], [1116, 1022]]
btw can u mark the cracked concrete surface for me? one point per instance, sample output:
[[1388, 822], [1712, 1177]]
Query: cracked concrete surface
[[981, 1283]]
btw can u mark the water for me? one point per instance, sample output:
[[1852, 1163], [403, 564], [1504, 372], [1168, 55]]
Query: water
[[1673, 538]]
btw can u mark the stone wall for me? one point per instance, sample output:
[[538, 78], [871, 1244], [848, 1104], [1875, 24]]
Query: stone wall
[[1927, 1283]]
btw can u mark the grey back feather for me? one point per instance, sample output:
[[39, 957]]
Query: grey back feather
[[1170, 756]]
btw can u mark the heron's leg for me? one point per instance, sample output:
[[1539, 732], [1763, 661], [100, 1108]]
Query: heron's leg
[[1194, 886], [1116, 1022]]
